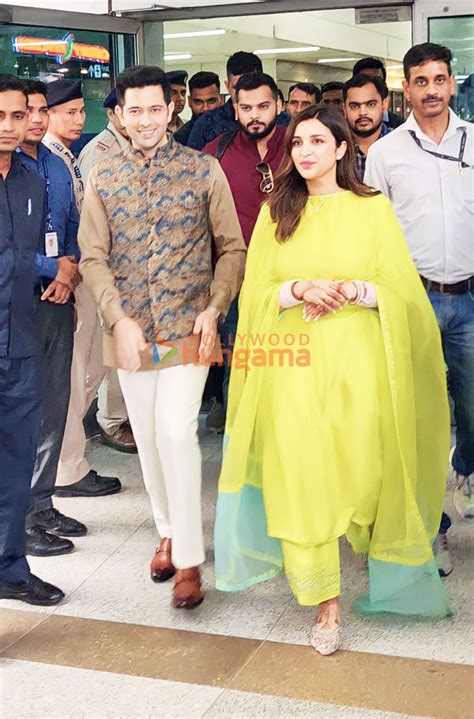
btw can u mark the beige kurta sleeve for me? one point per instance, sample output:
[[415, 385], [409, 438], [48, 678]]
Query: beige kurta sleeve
[[87, 159], [94, 244], [229, 243]]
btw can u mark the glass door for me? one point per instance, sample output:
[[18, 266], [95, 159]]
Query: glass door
[[451, 24]]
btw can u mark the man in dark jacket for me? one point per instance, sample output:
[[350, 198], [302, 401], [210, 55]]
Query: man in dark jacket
[[22, 227], [57, 278], [215, 123]]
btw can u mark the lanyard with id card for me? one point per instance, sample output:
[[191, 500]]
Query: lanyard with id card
[[51, 237], [459, 159]]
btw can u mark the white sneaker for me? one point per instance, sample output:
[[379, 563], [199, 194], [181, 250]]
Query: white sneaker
[[463, 496], [441, 553]]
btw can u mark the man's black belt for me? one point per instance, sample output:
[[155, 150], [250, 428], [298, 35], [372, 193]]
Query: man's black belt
[[457, 288]]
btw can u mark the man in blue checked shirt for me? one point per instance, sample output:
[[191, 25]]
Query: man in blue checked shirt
[[365, 105], [57, 277]]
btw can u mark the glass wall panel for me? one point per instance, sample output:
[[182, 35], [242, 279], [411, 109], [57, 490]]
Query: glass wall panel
[[317, 46], [457, 33], [47, 54]]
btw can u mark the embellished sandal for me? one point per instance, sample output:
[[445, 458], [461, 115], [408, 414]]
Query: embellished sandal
[[326, 641]]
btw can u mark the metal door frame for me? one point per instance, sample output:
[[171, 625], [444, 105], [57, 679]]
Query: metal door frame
[[424, 10], [260, 8]]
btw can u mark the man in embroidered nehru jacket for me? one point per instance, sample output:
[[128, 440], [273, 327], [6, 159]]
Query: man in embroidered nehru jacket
[[153, 219]]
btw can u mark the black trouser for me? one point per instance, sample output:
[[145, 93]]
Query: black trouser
[[19, 425], [56, 332]]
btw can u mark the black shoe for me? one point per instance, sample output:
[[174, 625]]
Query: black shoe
[[92, 485], [33, 591], [43, 544], [215, 420], [54, 521]]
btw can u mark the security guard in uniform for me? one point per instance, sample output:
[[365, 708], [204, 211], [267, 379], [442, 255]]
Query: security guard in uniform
[[23, 213], [109, 143], [75, 477], [112, 414]]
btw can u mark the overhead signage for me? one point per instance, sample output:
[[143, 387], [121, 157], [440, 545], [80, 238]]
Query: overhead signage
[[394, 13], [62, 49]]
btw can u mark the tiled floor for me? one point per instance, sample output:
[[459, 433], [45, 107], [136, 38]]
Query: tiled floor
[[106, 579], [113, 695]]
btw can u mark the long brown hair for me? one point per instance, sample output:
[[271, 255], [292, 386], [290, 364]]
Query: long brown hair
[[290, 195]]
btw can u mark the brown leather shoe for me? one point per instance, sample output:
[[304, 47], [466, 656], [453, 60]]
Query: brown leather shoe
[[161, 567], [187, 592], [122, 439]]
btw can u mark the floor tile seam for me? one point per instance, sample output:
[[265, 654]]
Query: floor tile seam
[[222, 691], [57, 609], [44, 618]]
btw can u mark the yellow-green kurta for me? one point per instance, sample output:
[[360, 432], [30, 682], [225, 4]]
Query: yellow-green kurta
[[336, 427]]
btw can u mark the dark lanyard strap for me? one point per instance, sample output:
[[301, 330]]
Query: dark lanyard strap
[[49, 219], [458, 159]]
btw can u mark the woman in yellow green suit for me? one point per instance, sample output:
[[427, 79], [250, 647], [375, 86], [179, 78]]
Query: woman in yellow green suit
[[338, 420]]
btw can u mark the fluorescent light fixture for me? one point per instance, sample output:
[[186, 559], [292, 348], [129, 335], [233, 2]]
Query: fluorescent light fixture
[[170, 58], [196, 33], [394, 67], [285, 50], [337, 59]]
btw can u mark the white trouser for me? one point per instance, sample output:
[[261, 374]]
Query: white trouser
[[163, 407], [87, 372], [112, 412]]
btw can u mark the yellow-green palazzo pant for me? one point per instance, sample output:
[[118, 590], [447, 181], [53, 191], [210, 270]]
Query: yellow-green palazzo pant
[[313, 572]]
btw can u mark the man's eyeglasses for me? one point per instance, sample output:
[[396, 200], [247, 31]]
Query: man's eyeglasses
[[267, 184]]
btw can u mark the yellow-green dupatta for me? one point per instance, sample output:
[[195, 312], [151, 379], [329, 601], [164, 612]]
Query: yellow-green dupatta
[[414, 425]]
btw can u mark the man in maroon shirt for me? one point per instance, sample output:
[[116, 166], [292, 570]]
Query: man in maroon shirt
[[250, 157]]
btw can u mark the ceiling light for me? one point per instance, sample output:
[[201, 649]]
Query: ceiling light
[[170, 58], [337, 59], [196, 33], [394, 67], [285, 50]]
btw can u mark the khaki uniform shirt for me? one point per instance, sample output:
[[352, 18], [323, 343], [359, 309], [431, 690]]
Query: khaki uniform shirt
[[148, 230], [106, 145], [57, 147]]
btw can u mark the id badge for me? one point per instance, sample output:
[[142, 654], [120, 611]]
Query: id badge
[[51, 244]]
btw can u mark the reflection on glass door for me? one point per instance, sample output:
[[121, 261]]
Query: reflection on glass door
[[457, 33]]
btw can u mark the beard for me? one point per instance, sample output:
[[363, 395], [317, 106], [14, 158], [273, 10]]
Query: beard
[[367, 133], [263, 133]]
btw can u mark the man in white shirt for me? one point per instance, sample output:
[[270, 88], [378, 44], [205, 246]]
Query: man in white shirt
[[425, 167]]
